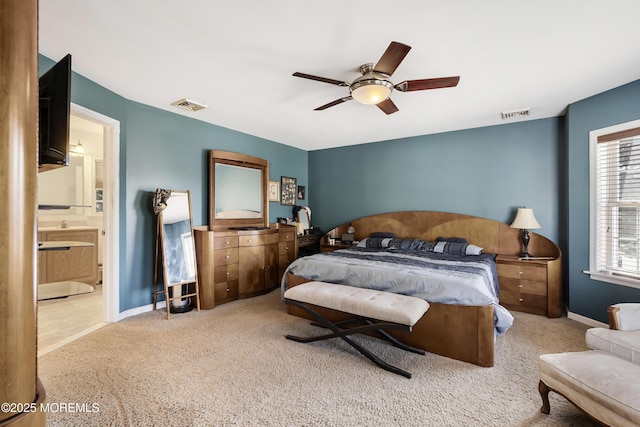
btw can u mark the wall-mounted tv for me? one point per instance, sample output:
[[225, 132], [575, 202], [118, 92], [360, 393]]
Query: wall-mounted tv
[[53, 116]]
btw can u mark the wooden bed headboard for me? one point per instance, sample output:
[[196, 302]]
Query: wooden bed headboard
[[493, 236]]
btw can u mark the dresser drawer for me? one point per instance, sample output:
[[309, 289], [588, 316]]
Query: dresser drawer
[[258, 239], [288, 236], [520, 300], [225, 242], [519, 271], [225, 256], [224, 273], [226, 291], [283, 262], [287, 249], [533, 287]]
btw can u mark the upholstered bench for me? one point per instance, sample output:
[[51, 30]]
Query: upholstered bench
[[604, 386], [372, 311]]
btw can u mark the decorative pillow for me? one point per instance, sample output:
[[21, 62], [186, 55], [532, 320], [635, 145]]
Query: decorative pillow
[[452, 239], [454, 248], [383, 234], [411, 244], [374, 242]]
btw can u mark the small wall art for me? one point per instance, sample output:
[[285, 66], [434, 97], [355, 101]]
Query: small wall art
[[288, 191], [301, 191], [274, 191]]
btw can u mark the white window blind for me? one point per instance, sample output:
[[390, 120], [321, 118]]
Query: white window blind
[[617, 204]]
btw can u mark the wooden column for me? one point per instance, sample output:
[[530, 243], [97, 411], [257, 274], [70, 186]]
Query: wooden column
[[18, 169]]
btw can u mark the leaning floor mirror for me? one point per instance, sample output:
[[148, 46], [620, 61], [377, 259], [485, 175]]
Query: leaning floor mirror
[[175, 248]]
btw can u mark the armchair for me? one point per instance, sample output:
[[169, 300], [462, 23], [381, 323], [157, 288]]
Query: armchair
[[603, 382], [624, 317], [622, 339]]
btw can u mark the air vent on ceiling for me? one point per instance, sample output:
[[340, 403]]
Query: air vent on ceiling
[[187, 104], [517, 113]]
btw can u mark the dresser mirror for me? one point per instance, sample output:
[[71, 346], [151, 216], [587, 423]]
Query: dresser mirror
[[238, 191]]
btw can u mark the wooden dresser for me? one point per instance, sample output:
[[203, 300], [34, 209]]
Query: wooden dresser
[[78, 264], [532, 286], [236, 264]]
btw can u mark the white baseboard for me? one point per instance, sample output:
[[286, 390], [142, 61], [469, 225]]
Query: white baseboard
[[139, 310], [586, 320]]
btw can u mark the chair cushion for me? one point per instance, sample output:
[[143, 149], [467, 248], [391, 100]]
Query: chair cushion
[[624, 344], [368, 303], [603, 385]]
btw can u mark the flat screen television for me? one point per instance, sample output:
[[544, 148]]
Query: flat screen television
[[53, 116]]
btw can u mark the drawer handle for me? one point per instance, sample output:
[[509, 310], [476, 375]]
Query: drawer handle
[[228, 273], [249, 240], [228, 290], [520, 299], [519, 272], [519, 286], [227, 256]]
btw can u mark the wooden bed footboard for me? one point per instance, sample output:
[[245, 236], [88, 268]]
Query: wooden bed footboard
[[460, 332]]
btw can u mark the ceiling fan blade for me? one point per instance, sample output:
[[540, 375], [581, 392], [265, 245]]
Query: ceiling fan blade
[[387, 106], [333, 103], [391, 58], [321, 79], [424, 84]]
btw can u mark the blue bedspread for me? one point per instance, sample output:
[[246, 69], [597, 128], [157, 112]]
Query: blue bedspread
[[434, 277]]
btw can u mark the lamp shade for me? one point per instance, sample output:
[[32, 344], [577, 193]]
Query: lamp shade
[[371, 88], [525, 219]]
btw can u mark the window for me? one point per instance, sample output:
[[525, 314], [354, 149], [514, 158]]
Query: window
[[615, 204]]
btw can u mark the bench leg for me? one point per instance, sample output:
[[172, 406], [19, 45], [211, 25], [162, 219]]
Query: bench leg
[[343, 333], [544, 393], [383, 334]]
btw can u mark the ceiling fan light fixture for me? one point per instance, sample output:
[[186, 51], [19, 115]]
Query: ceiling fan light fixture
[[371, 91]]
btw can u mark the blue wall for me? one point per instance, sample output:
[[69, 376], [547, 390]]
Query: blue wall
[[487, 172], [159, 149], [588, 297]]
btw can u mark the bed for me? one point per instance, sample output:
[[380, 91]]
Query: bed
[[465, 318]]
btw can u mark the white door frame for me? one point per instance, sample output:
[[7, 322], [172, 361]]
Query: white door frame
[[111, 212]]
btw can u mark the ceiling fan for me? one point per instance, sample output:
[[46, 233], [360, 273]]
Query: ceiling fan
[[374, 86]]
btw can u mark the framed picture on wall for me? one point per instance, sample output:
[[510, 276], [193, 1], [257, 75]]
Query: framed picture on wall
[[274, 191], [288, 191], [301, 191]]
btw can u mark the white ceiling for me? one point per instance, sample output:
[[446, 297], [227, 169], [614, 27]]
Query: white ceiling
[[237, 57]]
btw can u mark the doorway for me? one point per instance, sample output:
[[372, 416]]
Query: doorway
[[102, 198]]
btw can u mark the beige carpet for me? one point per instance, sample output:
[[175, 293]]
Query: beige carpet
[[232, 366]]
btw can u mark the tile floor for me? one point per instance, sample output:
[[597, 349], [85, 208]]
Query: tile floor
[[61, 321]]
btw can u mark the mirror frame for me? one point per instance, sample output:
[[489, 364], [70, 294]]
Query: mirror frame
[[241, 160], [163, 238]]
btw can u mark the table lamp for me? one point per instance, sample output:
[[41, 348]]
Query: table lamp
[[525, 220]]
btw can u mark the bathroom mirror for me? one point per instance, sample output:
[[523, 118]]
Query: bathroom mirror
[[238, 191], [178, 251], [67, 186]]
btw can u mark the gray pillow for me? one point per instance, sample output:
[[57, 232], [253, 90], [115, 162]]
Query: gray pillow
[[454, 248], [383, 235], [452, 240]]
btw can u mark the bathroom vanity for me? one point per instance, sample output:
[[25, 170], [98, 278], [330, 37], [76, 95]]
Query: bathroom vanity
[[78, 264]]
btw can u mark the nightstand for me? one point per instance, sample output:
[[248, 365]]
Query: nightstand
[[308, 244], [530, 285]]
